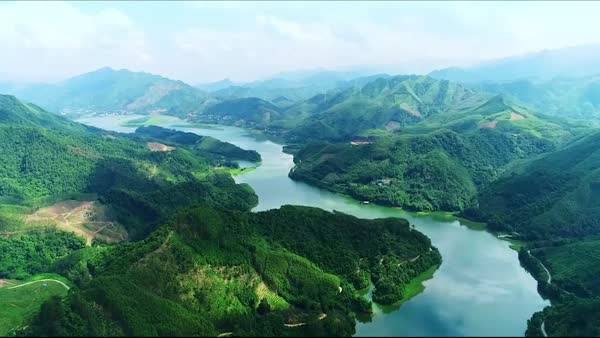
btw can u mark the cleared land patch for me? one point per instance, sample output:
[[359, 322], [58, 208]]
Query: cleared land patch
[[490, 125], [88, 219], [155, 146], [515, 117]]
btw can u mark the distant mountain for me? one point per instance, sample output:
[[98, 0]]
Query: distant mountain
[[115, 91], [565, 97], [553, 196], [218, 85], [439, 162], [566, 62], [380, 103], [249, 112], [295, 86]]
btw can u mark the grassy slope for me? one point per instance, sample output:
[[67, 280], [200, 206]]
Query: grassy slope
[[18, 305]]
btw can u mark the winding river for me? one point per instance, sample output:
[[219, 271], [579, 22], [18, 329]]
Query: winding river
[[479, 290]]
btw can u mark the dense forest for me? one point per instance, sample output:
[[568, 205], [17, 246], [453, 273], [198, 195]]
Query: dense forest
[[440, 164], [551, 202], [197, 262], [520, 155]]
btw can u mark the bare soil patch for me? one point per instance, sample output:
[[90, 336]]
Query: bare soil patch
[[515, 117], [155, 146], [489, 125], [4, 282], [88, 219]]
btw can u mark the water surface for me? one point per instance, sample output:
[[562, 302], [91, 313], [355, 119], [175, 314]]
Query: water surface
[[479, 290]]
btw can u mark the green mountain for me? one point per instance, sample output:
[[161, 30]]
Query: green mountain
[[250, 112], [210, 272], [579, 61], [577, 98], [553, 196], [383, 103], [116, 91], [552, 203], [152, 239], [439, 163]]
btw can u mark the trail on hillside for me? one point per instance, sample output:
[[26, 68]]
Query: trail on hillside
[[40, 280]]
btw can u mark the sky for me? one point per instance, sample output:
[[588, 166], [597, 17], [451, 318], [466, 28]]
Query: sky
[[208, 41]]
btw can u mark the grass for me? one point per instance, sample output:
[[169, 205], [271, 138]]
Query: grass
[[143, 121], [197, 126], [236, 171], [413, 288], [515, 244], [275, 301], [577, 262], [19, 304], [446, 216]]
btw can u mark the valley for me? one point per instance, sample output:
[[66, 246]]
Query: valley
[[501, 281], [332, 205]]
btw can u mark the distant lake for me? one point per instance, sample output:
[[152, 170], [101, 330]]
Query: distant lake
[[479, 290]]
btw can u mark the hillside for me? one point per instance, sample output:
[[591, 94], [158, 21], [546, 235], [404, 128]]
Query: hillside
[[249, 112], [553, 196], [210, 272], [551, 202], [577, 98], [203, 145], [157, 241], [115, 91], [437, 164], [383, 103], [579, 61]]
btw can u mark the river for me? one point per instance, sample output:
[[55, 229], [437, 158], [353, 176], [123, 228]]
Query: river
[[479, 290]]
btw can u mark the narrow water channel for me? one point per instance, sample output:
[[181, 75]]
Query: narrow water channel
[[479, 290]]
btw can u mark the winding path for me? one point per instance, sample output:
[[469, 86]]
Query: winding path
[[549, 281], [543, 329], [40, 280]]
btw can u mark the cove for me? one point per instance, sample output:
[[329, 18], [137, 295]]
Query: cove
[[479, 290]]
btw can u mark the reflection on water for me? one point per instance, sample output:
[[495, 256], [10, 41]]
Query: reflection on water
[[480, 288]]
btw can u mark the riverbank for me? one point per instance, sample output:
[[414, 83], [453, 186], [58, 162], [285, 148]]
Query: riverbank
[[488, 293]]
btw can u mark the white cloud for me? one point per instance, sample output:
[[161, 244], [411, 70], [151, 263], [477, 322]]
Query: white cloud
[[54, 40], [204, 41]]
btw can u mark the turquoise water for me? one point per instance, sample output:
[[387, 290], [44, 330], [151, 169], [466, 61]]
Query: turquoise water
[[479, 290]]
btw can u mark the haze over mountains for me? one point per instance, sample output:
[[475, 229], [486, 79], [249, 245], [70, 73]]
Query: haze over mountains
[[512, 143]]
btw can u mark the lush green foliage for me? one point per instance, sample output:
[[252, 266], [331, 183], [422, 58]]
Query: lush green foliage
[[566, 97], [553, 196], [205, 145], [32, 252], [18, 304], [222, 265], [107, 91]]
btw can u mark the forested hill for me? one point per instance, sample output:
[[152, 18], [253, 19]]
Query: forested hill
[[153, 240], [115, 91], [437, 164], [386, 103], [210, 272], [553, 196], [552, 203], [46, 158], [204, 145]]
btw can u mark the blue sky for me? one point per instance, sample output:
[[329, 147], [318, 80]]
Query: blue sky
[[207, 41]]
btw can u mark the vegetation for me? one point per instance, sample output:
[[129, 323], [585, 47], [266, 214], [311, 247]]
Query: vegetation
[[441, 170], [204, 145], [212, 271], [116, 91], [200, 263], [21, 301], [551, 203]]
